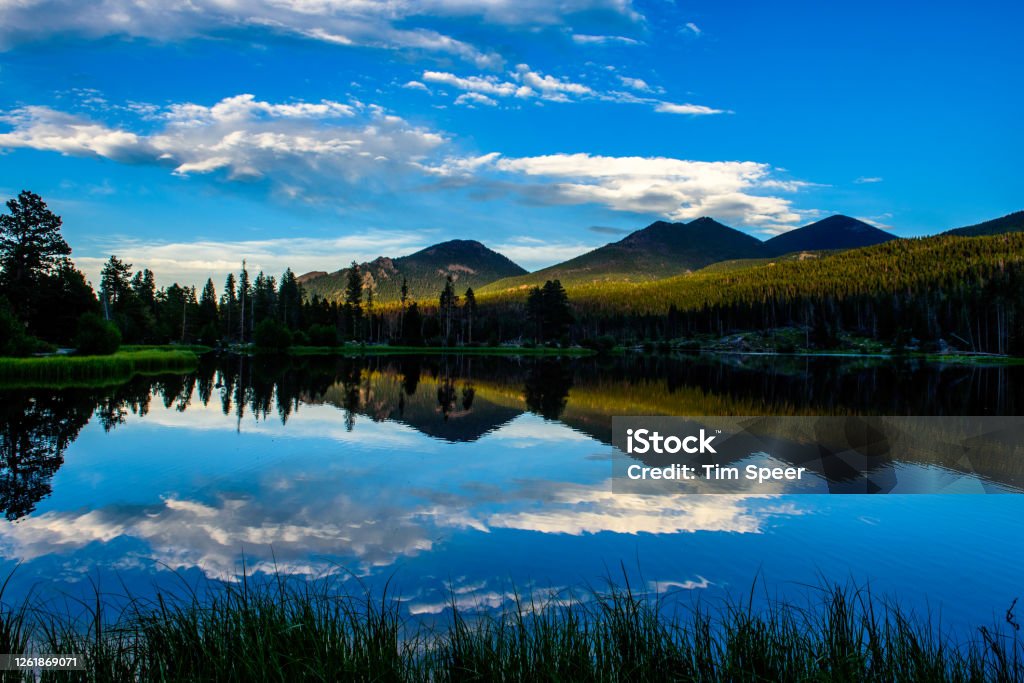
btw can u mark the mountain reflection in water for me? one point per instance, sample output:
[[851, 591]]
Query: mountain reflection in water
[[461, 398]]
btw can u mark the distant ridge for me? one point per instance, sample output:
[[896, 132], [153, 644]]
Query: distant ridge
[[660, 250], [1013, 222], [834, 232], [470, 263]]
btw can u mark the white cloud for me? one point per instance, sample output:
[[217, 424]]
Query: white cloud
[[736, 191], [416, 85], [389, 25], [549, 87], [867, 179], [880, 221], [473, 98], [339, 22], [303, 149], [523, 82], [577, 510], [487, 85], [638, 84], [584, 39], [688, 585], [693, 28], [533, 254], [691, 109]]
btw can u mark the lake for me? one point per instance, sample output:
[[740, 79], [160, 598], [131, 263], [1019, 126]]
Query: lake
[[471, 479]]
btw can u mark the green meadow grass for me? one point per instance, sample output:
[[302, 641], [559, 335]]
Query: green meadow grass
[[63, 371], [288, 630]]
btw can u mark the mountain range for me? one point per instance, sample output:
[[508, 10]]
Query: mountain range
[[657, 251]]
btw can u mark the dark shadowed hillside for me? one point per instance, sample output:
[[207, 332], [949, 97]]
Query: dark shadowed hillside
[[659, 250], [1013, 222], [834, 232]]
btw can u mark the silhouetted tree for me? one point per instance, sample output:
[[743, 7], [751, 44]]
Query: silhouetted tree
[[229, 304], [289, 300], [35, 430], [352, 311], [448, 301], [209, 315], [470, 308], [31, 249], [548, 309]]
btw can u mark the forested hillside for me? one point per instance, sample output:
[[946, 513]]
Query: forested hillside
[[469, 262], [657, 251], [971, 289], [935, 293], [1013, 222]]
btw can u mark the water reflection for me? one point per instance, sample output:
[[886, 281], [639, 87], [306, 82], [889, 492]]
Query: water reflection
[[460, 399], [471, 471], [36, 429]]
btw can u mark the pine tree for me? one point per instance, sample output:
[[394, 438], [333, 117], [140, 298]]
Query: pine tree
[[404, 299], [115, 286], [353, 310], [244, 297], [31, 248], [447, 303], [289, 300], [470, 307], [208, 313], [229, 303]]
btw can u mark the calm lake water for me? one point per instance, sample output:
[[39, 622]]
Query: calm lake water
[[474, 477]]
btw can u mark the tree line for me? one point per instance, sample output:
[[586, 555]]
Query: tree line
[[926, 293], [45, 301]]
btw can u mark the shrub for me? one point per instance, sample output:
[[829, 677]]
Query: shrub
[[209, 335], [323, 335], [14, 338], [271, 335], [603, 344], [96, 336]]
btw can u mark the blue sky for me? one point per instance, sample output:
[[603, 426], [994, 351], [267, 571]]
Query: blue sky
[[308, 133]]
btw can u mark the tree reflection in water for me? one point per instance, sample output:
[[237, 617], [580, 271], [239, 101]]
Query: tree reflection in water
[[36, 429], [463, 398]]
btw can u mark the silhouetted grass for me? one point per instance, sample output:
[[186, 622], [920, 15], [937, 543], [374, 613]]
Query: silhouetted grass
[[61, 371], [291, 630]]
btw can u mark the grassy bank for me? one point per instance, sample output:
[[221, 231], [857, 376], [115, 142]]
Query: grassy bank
[[383, 350], [290, 631], [62, 371]]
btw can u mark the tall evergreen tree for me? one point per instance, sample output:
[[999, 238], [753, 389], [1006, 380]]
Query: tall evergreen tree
[[353, 308], [548, 308], [447, 306], [470, 308], [244, 301], [115, 285], [31, 248], [289, 300], [404, 300], [229, 305], [208, 312]]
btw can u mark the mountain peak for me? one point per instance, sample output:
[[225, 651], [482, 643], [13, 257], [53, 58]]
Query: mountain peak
[[469, 262], [833, 232], [705, 221]]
